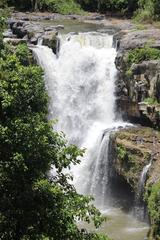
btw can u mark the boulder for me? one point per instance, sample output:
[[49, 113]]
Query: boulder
[[138, 39], [50, 39], [9, 34], [31, 32]]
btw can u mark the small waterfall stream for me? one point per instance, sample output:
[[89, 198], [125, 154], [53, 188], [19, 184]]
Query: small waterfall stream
[[143, 179], [81, 85], [140, 208]]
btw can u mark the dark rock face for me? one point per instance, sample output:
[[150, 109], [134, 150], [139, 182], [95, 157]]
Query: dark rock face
[[49, 39], [31, 32], [141, 83]]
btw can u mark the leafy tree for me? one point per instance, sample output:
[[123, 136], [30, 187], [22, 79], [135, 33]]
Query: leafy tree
[[34, 204], [109, 5], [148, 11]]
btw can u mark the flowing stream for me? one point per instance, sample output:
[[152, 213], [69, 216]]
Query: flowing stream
[[81, 83], [139, 207]]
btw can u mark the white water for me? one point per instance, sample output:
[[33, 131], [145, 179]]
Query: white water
[[143, 178], [139, 209], [81, 84]]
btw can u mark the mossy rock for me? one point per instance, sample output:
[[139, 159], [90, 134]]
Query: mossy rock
[[135, 147]]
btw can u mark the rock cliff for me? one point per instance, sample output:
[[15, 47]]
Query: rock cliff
[[134, 148], [138, 82]]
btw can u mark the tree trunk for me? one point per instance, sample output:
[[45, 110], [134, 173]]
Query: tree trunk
[[36, 5]]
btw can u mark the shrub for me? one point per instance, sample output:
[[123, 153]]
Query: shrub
[[139, 55], [148, 10], [109, 5], [153, 199]]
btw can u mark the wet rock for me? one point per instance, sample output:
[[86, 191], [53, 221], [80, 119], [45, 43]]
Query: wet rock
[[34, 40], [59, 27], [133, 149], [50, 39], [9, 34], [31, 32], [53, 28]]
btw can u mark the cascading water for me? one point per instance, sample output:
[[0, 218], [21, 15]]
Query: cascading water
[[80, 83], [143, 179], [140, 208], [81, 86]]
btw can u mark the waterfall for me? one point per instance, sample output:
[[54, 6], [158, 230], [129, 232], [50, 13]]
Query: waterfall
[[81, 84], [142, 180], [140, 208]]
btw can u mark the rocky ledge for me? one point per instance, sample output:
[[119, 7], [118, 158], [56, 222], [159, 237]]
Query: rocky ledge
[[30, 27], [137, 39], [32, 32], [133, 149]]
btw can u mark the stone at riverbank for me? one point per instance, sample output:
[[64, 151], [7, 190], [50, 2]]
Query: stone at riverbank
[[32, 32], [41, 16]]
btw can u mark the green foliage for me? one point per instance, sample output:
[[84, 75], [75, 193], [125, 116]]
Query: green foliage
[[23, 54], [4, 12], [143, 16], [139, 55], [34, 205], [151, 101], [60, 6], [121, 152], [148, 10], [142, 54], [109, 5], [153, 199]]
